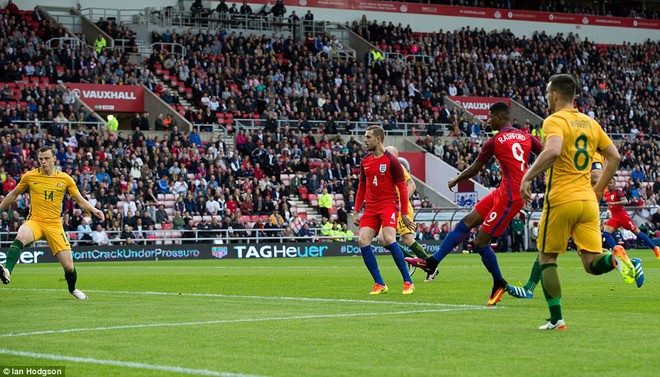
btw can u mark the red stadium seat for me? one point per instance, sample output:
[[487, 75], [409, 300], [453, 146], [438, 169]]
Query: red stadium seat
[[304, 195]]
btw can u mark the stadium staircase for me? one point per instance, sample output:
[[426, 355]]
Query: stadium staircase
[[185, 102]]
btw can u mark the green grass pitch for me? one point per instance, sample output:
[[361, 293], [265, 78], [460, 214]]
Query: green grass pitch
[[313, 317]]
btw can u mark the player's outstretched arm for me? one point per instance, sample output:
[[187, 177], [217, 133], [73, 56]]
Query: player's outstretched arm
[[551, 151], [87, 206], [410, 184], [621, 202], [468, 173], [10, 199]]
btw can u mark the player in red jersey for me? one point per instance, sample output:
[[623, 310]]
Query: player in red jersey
[[512, 149], [620, 218], [380, 176]]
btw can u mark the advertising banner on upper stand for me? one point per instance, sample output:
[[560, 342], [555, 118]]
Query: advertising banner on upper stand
[[478, 106], [115, 98]]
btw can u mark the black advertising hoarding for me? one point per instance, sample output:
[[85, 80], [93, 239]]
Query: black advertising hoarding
[[116, 253], [204, 251]]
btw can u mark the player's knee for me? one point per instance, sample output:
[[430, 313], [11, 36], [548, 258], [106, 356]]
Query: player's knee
[[586, 263], [22, 239], [381, 241], [388, 239], [482, 240], [363, 241], [472, 219], [479, 245]]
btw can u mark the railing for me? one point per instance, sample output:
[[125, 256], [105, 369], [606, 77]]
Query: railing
[[419, 57], [71, 124], [74, 42], [452, 216], [173, 48], [394, 56], [215, 236], [126, 16], [449, 216], [122, 44], [215, 128], [535, 216], [72, 22], [344, 54], [630, 136], [168, 17], [354, 128]]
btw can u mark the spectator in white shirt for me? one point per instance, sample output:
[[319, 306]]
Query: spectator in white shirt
[[136, 171], [68, 97], [214, 104], [452, 90], [129, 205], [99, 236], [205, 99], [180, 186], [212, 206], [92, 199]]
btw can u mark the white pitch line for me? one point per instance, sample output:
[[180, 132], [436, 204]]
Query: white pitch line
[[124, 364], [224, 267], [466, 266], [276, 298], [239, 320]]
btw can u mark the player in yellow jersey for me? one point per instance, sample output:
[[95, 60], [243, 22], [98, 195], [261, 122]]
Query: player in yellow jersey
[[527, 291], [407, 234], [570, 205], [47, 187]]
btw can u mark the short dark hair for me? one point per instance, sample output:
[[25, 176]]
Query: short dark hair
[[378, 132], [499, 108], [565, 85], [46, 149]]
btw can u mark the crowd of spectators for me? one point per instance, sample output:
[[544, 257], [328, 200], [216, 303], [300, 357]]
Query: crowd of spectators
[[617, 82], [251, 76], [127, 175], [256, 76], [277, 78], [122, 34], [26, 57]]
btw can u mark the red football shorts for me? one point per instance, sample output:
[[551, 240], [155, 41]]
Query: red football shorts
[[497, 212], [383, 218], [622, 221]]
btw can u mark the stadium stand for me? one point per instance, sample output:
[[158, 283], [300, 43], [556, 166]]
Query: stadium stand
[[476, 62], [209, 188]]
